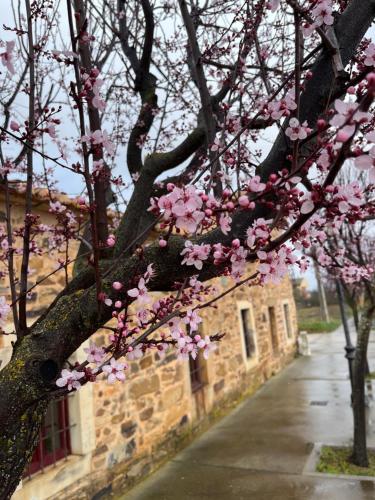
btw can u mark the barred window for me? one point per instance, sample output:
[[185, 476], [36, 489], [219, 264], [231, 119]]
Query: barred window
[[197, 366], [248, 332], [196, 373], [54, 438], [273, 328]]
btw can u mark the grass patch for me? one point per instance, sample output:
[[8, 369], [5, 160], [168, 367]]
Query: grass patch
[[318, 326], [335, 460], [309, 319]]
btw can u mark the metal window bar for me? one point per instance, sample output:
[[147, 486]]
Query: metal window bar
[[54, 438]]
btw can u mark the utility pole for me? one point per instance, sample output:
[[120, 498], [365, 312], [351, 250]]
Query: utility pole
[[349, 348], [324, 313]]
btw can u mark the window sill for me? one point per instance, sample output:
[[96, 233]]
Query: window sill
[[54, 478]]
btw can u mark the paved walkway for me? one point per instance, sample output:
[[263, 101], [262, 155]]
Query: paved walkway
[[259, 451]]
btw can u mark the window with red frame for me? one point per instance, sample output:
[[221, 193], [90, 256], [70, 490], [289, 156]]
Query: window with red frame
[[54, 438]]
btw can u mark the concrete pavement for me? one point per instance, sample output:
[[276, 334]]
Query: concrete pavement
[[259, 451]]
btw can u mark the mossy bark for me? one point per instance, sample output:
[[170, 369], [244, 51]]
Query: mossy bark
[[359, 455]]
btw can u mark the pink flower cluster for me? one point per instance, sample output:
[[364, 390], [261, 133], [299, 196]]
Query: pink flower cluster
[[92, 85], [278, 109], [182, 206], [99, 138], [194, 255], [295, 131], [346, 118], [7, 56], [273, 266], [322, 16]]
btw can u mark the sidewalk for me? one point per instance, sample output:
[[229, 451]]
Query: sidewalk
[[259, 451]]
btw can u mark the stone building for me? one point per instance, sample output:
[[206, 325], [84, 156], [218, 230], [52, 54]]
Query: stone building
[[101, 439]]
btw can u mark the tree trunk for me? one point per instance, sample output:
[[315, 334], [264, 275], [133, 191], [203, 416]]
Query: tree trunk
[[359, 455], [17, 443]]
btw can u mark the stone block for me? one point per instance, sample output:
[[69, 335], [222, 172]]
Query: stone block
[[128, 428], [144, 386], [146, 414]]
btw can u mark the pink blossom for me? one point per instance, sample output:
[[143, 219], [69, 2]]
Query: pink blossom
[[323, 258], [56, 207], [278, 109], [99, 137], [186, 348], [111, 240], [307, 204], [296, 131], [7, 56], [140, 293], [194, 255], [370, 55], [322, 13], [174, 325], [206, 345], [216, 146], [192, 319], [347, 115], [14, 126], [255, 186], [135, 353], [238, 260], [348, 196], [70, 379], [273, 265], [97, 101], [95, 354], [273, 5], [225, 222], [260, 230], [243, 201], [182, 205], [116, 285], [114, 371], [308, 29], [150, 272], [367, 162], [4, 311]]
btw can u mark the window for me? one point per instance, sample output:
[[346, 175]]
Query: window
[[54, 438], [273, 328], [196, 373], [248, 333], [288, 324], [197, 366]]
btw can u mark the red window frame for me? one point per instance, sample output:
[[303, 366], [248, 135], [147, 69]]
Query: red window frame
[[54, 438]]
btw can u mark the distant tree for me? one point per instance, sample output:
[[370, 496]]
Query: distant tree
[[347, 253]]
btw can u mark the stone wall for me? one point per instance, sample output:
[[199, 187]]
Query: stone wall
[[154, 413], [124, 431]]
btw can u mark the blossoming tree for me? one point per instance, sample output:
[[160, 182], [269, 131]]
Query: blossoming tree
[[167, 110], [346, 251]]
